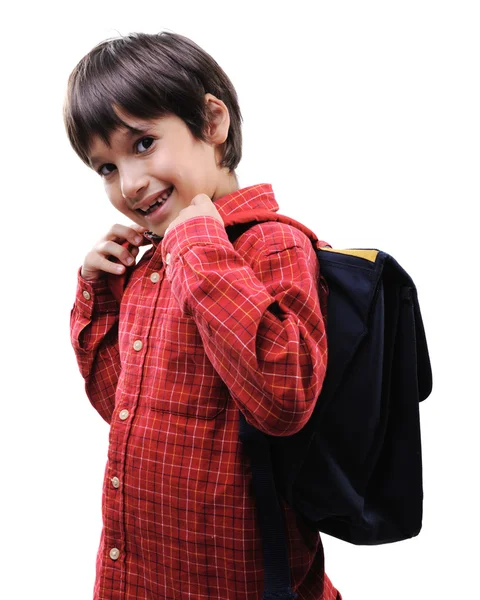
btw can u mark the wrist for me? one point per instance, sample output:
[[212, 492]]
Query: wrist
[[89, 275]]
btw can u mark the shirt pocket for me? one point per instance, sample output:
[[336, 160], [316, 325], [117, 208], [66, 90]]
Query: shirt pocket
[[184, 381]]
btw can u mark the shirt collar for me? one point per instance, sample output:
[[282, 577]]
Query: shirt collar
[[254, 197], [259, 196]]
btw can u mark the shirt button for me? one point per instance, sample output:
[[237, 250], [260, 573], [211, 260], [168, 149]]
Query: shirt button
[[114, 553], [137, 345], [115, 482], [123, 414], [167, 259], [86, 295], [154, 277]]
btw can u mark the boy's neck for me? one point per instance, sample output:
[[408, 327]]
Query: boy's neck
[[226, 186]]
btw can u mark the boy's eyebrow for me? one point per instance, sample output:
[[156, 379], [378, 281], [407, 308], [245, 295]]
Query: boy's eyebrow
[[131, 132]]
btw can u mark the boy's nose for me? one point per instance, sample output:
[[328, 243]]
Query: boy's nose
[[132, 188]]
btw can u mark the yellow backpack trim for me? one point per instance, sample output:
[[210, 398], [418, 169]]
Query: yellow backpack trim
[[370, 255]]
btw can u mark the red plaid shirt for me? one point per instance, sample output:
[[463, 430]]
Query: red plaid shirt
[[204, 328]]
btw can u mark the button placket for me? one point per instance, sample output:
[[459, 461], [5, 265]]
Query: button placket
[[136, 344]]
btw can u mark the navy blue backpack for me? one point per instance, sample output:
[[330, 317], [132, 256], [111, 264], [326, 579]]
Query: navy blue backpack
[[355, 470]]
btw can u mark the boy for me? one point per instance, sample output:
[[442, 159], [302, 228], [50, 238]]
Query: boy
[[172, 347]]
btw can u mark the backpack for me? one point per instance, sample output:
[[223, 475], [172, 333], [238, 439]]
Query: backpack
[[355, 470]]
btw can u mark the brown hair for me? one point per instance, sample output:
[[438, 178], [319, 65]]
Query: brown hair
[[147, 75]]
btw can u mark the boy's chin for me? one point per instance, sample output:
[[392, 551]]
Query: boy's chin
[[158, 229]]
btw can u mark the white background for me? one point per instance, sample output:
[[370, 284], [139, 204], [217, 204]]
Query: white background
[[365, 118]]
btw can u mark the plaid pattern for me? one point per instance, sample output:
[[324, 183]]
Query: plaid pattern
[[204, 329]]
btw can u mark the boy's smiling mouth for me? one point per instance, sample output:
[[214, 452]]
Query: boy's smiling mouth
[[159, 201]]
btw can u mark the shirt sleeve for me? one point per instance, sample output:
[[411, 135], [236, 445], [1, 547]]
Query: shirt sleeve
[[94, 337], [258, 312]]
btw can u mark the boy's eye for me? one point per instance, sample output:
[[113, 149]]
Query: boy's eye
[[141, 146], [146, 142], [103, 170]]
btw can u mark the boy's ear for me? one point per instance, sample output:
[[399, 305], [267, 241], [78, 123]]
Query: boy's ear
[[218, 122]]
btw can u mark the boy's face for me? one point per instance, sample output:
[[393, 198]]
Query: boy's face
[[164, 165]]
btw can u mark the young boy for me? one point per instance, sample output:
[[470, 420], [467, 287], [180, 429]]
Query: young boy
[[171, 348]]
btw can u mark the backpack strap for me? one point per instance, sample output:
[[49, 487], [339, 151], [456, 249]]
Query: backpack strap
[[276, 566]]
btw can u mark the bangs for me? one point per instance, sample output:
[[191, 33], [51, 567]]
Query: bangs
[[90, 114]]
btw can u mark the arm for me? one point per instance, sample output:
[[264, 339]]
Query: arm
[[94, 317], [94, 337], [257, 310]]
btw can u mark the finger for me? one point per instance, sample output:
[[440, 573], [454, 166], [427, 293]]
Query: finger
[[110, 248], [141, 230], [121, 233], [103, 264], [145, 241]]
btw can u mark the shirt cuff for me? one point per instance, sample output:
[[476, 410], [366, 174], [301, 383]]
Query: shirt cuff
[[94, 296], [197, 231]]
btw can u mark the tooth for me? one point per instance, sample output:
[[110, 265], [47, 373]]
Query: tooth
[[166, 194], [161, 199]]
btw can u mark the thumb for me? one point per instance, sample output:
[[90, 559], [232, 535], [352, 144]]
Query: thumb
[[200, 199]]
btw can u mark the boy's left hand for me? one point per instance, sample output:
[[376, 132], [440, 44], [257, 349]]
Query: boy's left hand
[[200, 206]]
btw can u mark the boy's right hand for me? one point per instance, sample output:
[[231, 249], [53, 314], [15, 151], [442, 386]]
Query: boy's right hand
[[114, 251]]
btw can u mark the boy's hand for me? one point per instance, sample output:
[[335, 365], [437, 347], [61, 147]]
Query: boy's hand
[[108, 252], [200, 206]]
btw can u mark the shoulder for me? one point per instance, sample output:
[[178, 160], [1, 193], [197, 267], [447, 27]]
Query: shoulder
[[278, 248], [272, 237]]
